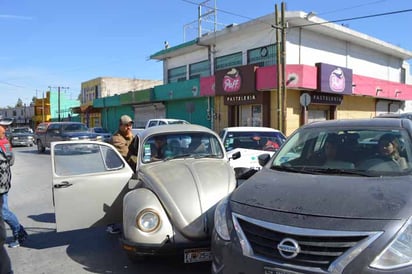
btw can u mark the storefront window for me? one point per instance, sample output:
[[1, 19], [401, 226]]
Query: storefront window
[[262, 56], [250, 115], [200, 69], [176, 74], [228, 61]]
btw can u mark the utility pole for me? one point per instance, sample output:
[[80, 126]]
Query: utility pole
[[283, 62], [281, 66], [58, 100]]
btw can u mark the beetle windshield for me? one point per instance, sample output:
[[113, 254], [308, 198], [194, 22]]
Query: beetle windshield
[[181, 145], [354, 151]]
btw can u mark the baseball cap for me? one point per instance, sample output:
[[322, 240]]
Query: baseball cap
[[125, 120]]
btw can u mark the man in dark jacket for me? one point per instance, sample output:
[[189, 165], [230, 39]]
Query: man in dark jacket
[[122, 139]]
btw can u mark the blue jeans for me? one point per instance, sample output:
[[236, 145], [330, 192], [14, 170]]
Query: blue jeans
[[9, 217], [5, 264]]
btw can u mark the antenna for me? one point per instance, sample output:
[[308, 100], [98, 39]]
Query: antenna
[[206, 20]]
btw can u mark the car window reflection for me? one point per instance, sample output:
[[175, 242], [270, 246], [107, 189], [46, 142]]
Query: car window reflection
[[78, 159]]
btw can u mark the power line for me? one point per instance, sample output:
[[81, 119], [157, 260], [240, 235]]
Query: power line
[[12, 85], [356, 18], [353, 7]]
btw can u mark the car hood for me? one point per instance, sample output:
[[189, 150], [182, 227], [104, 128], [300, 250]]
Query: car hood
[[328, 196], [248, 157], [189, 189]]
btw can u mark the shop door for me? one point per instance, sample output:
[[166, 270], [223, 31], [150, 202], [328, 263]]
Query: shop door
[[250, 115], [317, 115]]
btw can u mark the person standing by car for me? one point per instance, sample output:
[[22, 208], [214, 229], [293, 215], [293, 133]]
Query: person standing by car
[[5, 178], [122, 140], [19, 233]]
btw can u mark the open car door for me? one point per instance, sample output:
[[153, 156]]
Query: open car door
[[89, 182]]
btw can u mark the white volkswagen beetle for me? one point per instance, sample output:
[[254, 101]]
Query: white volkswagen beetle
[[166, 206]]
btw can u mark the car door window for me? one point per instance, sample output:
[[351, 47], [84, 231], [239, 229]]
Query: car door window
[[78, 159]]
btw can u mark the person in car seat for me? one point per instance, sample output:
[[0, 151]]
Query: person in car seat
[[389, 147]]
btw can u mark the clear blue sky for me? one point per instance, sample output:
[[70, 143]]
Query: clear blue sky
[[63, 43]]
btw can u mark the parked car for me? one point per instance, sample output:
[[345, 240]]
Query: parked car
[[63, 131], [164, 121], [250, 142], [307, 214], [21, 136], [167, 207], [106, 135], [137, 130], [405, 115]]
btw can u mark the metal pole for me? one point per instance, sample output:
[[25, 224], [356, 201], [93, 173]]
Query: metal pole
[[278, 70], [42, 109], [284, 110], [58, 103]]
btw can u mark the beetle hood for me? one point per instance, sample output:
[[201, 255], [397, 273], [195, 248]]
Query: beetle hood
[[328, 196], [189, 190]]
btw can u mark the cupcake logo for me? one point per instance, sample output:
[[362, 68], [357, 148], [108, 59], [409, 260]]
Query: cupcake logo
[[337, 80], [232, 81]]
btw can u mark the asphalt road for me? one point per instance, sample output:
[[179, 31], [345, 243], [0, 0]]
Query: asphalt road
[[82, 251]]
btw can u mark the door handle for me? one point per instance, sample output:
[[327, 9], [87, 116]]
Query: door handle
[[63, 185]]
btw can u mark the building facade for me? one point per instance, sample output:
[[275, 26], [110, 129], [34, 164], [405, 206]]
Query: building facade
[[106, 87], [22, 115], [330, 72]]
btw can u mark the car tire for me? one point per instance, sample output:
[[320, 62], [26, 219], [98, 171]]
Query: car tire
[[40, 147]]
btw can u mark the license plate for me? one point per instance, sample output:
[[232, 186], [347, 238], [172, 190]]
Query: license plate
[[197, 255], [275, 270]]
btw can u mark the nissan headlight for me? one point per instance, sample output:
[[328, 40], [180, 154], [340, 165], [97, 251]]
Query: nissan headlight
[[399, 252], [221, 226], [148, 220]]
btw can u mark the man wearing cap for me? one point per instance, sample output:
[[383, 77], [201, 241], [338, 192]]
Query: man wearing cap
[[122, 139], [5, 180]]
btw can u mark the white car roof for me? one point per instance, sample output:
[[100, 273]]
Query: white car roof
[[251, 129], [175, 128]]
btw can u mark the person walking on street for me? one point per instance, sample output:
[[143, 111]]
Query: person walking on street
[[5, 179], [18, 231], [122, 140]]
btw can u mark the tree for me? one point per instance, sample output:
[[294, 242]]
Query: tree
[[19, 102]]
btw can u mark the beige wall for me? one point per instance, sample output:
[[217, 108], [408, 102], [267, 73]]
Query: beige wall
[[353, 107], [221, 120]]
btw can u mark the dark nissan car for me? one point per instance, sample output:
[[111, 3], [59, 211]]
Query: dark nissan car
[[336, 198]]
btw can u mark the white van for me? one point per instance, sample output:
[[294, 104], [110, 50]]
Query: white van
[[164, 121]]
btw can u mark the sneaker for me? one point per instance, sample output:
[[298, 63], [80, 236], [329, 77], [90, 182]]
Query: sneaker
[[22, 236], [112, 229], [14, 243]]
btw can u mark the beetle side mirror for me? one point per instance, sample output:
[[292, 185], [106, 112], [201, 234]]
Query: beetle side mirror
[[235, 155]]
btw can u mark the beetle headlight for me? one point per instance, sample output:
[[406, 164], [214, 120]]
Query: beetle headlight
[[148, 220], [221, 226], [399, 252]]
